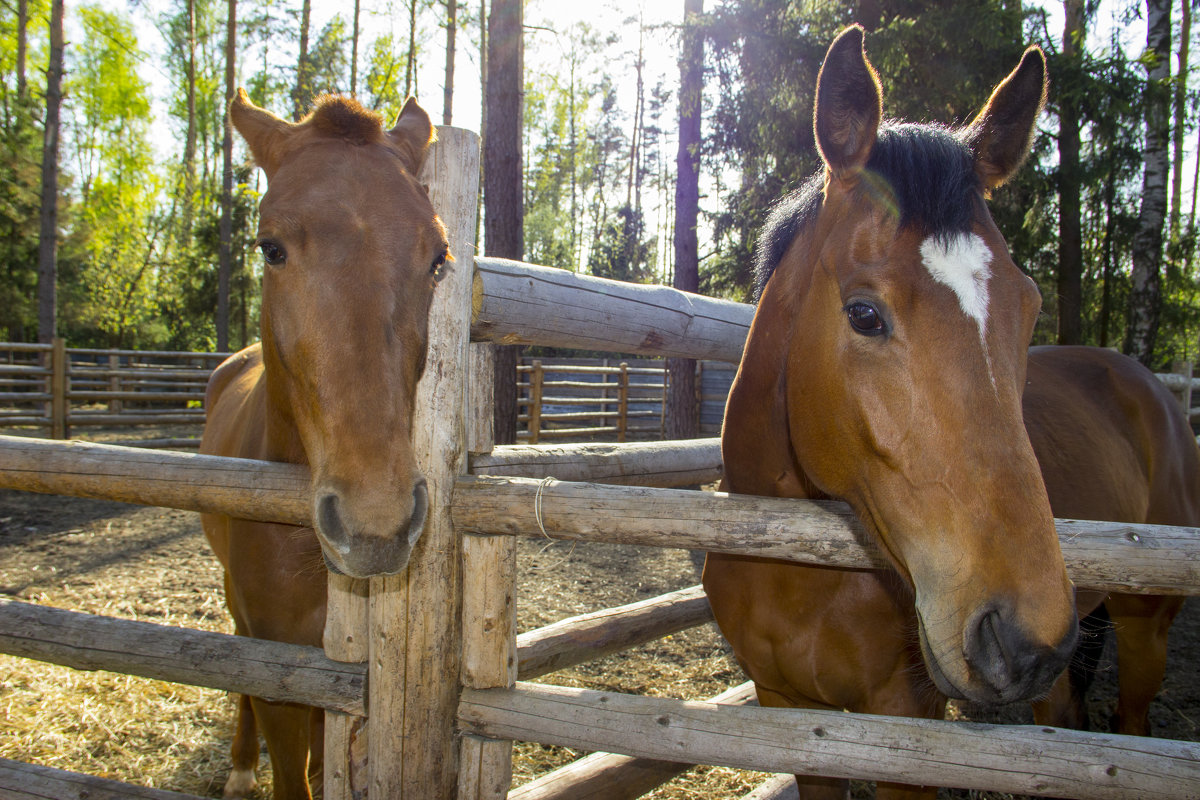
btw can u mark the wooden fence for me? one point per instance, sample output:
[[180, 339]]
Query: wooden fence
[[444, 703], [60, 388], [573, 399]]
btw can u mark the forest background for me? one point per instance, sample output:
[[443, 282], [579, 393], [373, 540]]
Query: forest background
[[1103, 215]]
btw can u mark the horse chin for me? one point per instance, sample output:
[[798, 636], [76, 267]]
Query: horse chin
[[371, 569]]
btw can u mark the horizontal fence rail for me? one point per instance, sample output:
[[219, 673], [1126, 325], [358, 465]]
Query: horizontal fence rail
[[1022, 759], [268, 669], [516, 303], [1108, 556], [296, 673]]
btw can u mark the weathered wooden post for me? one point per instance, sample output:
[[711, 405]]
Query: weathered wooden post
[[623, 402], [535, 401], [114, 382], [410, 623], [59, 428], [489, 616]]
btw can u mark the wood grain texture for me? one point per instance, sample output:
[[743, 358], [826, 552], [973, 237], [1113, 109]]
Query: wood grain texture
[[663, 464], [1151, 559], [19, 781], [517, 303], [609, 776], [267, 669], [1021, 759]]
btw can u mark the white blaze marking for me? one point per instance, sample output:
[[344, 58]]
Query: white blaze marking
[[964, 264]]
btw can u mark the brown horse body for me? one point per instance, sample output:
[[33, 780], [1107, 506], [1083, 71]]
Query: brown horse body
[[887, 366], [352, 250]]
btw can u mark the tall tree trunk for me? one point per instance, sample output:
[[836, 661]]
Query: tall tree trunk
[[1106, 256], [22, 43], [354, 49], [225, 245], [48, 235], [1180, 104], [683, 413], [184, 236], [1145, 293], [410, 70], [504, 214], [300, 95], [1070, 235], [451, 33]]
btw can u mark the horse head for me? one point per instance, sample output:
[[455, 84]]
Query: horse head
[[352, 251], [904, 330]]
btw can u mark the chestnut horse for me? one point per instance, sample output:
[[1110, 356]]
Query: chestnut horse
[[352, 251], [886, 366]]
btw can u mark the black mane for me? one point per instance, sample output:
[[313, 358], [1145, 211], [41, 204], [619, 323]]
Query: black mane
[[924, 172]]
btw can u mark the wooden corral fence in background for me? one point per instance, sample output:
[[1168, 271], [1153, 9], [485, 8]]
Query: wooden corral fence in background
[[60, 388], [437, 645]]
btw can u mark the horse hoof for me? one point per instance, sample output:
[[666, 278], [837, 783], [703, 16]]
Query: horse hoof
[[239, 784]]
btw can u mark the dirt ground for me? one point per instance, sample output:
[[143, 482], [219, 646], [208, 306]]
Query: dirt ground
[[153, 564]]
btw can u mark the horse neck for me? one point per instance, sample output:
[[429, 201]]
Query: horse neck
[[281, 433], [755, 440]]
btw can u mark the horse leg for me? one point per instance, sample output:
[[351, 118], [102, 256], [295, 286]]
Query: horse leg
[[1141, 624], [812, 787], [241, 781], [285, 726], [316, 747]]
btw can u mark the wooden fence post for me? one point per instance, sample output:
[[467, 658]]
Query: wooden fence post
[[114, 382], [346, 639], [535, 401], [1187, 370], [59, 369], [489, 616], [623, 402], [415, 643]]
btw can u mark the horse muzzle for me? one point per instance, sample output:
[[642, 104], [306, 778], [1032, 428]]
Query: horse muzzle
[[366, 545], [999, 662]]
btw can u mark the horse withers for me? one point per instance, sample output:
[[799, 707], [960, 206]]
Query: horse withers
[[352, 251], [887, 366]]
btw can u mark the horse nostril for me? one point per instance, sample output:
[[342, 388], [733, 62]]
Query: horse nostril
[[985, 649], [329, 521], [416, 523]]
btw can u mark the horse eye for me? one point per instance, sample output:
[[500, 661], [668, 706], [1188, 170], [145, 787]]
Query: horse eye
[[437, 270], [865, 319], [272, 253]]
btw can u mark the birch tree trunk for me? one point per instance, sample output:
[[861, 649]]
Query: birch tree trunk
[[683, 420], [225, 245], [184, 235], [48, 236], [1180, 104], [1070, 235], [1145, 294], [504, 214]]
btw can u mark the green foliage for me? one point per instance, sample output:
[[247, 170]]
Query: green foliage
[[117, 184]]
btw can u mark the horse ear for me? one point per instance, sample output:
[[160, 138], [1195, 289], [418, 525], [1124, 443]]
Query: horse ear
[[849, 105], [265, 133], [1001, 135], [413, 133]]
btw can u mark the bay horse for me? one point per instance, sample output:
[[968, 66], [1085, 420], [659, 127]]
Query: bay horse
[[352, 251], [888, 366]]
